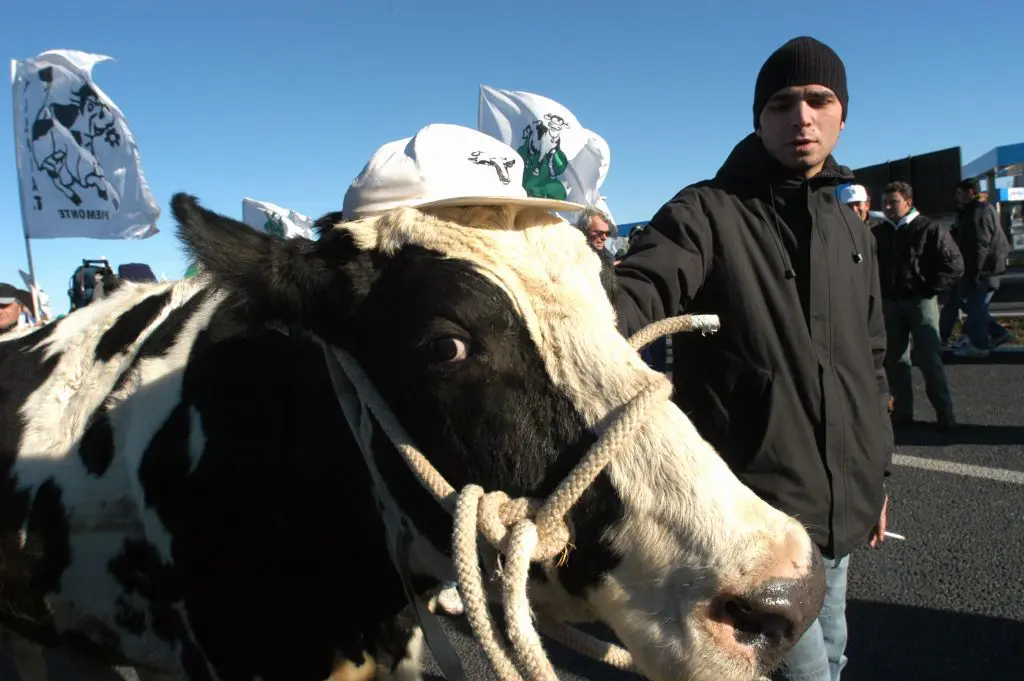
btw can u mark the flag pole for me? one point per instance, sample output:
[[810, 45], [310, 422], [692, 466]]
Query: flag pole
[[21, 192], [32, 274]]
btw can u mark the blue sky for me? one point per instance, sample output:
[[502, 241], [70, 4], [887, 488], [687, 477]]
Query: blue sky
[[285, 102]]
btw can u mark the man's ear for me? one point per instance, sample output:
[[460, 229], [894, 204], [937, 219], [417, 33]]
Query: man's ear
[[311, 284]]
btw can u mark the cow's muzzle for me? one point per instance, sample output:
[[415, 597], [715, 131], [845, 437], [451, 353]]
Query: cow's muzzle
[[773, 616]]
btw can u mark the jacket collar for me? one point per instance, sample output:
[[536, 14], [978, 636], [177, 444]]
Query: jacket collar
[[750, 161]]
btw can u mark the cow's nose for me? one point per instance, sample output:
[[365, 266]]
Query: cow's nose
[[773, 616]]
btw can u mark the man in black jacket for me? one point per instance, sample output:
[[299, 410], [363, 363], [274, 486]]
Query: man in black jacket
[[985, 248], [792, 390], [917, 260]]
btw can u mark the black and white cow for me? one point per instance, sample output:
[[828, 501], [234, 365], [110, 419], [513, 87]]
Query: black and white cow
[[180, 492]]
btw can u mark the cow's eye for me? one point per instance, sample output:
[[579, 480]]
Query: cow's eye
[[448, 349]]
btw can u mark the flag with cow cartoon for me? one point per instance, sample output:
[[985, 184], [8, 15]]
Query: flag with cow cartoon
[[276, 221], [79, 168], [562, 159], [281, 222]]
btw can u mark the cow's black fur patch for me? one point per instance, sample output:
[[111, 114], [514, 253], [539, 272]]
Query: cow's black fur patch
[[130, 325]]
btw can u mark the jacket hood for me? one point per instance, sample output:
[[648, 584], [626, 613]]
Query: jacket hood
[[749, 160]]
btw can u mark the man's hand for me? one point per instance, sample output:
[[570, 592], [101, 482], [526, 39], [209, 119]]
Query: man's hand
[[878, 533]]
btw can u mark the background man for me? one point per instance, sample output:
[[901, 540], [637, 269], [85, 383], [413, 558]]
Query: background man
[[857, 198], [985, 247], [598, 228], [917, 260]]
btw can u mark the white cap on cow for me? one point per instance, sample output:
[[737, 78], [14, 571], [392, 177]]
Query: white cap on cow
[[442, 165]]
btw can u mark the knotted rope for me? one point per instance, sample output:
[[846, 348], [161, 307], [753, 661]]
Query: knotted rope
[[524, 530]]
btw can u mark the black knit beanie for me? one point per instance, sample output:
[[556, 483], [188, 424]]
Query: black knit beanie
[[801, 61]]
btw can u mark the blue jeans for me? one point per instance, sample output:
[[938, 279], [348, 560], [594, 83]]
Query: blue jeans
[[980, 326], [819, 655]]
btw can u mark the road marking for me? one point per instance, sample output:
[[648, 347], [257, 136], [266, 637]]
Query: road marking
[[998, 474]]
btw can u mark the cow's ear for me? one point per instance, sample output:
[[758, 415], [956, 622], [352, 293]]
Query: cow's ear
[[297, 281]]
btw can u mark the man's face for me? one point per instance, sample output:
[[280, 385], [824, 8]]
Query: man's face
[[597, 233], [9, 314], [896, 206], [964, 196], [800, 126], [861, 208]]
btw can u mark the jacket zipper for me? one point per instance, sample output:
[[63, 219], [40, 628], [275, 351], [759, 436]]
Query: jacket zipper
[[837, 536]]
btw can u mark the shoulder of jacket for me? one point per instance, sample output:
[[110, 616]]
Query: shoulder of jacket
[[941, 229], [697, 190], [923, 223], [698, 196]]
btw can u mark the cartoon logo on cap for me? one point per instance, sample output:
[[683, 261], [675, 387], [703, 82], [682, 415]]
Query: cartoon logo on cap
[[500, 164]]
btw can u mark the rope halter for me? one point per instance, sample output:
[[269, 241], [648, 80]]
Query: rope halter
[[524, 530]]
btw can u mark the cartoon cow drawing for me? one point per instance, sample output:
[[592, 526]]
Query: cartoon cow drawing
[[63, 135], [541, 150], [501, 165]]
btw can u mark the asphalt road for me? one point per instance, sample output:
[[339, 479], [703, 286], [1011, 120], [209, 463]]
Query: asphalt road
[[946, 604]]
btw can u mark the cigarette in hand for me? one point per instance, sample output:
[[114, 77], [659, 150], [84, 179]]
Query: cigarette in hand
[[893, 535]]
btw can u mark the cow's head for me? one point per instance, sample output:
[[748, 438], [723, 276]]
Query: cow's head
[[489, 334], [95, 115]]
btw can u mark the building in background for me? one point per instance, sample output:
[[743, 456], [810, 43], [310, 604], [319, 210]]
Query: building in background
[[933, 176]]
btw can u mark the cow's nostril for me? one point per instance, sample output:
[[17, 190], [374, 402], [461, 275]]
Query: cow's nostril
[[760, 621], [772, 617]]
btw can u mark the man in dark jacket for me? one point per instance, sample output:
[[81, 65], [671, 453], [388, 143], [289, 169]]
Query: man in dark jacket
[[985, 247], [917, 260], [792, 390]]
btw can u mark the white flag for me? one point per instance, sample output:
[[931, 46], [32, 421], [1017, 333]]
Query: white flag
[[78, 165], [43, 300], [280, 222], [604, 153], [602, 205], [563, 160]]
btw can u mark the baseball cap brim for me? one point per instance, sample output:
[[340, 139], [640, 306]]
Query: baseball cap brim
[[7, 301], [528, 202]]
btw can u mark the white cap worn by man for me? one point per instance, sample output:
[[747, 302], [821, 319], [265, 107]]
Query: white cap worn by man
[[442, 165], [856, 197], [852, 193]]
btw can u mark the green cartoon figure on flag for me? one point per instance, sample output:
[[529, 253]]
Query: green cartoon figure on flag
[[544, 159], [274, 226]]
